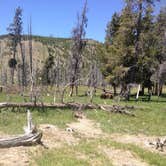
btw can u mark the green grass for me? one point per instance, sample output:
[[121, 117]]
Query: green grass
[[85, 153], [149, 120], [149, 157], [13, 122], [88, 148], [60, 157]]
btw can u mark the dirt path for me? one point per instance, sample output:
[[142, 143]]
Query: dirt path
[[53, 137], [122, 158], [87, 128], [139, 140]]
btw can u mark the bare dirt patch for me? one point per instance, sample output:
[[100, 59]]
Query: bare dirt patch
[[139, 140], [14, 156], [87, 128], [17, 156], [53, 137], [122, 158]]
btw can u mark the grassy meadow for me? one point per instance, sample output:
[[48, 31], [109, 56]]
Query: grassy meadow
[[150, 120]]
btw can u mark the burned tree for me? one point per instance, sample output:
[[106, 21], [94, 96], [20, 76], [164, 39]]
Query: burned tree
[[78, 35], [15, 30], [30, 61], [93, 74]]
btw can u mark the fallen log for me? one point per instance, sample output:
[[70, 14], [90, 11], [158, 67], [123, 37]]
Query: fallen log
[[24, 140], [31, 136], [74, 106]]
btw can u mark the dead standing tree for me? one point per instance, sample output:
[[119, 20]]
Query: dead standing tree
[[15, 30], [93, 74], [32, 95], [79, 43]]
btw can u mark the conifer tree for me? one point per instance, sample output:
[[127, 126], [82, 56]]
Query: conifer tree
[[112, 28]]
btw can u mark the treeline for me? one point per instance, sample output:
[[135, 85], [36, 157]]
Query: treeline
[[134, 52], [136, 47]]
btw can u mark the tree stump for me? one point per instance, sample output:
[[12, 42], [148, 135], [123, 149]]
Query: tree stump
[[31, 136]]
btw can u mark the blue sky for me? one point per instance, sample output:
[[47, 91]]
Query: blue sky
[[58, 17]]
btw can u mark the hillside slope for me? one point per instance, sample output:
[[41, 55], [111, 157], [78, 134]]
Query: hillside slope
[[42, 47]]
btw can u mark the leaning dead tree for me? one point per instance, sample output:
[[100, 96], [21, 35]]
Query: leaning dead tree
[[31, 136], [78, 46]]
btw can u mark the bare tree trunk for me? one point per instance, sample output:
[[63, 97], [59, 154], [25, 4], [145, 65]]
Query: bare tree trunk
[[156, 88], [13, 68], [160, 85], [71, 91], [30, 62], [161, 89], [114, 87], [76, 86], [92, 92], [12, 75], [143, 90], [19, 75], [23, 66], [137, 96]]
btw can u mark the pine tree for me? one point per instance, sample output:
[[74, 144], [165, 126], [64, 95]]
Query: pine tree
[[121, 50], [161, 35], [49, 63], [132, 52], [159, 76], [147, 61], [112, 28], [123, 45]]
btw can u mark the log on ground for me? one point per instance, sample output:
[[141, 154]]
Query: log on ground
[[32, 136], [74, 106], [24, 140]]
